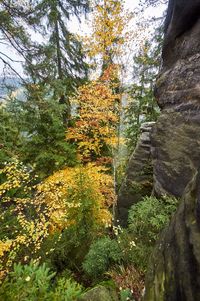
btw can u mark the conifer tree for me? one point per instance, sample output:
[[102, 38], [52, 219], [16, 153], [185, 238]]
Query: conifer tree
[[54, 67], [59, 62], [15, 16], [142, 106]]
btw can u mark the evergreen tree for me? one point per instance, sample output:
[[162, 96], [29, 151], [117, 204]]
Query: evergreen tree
[[54, 67], [15, 17], [142, 106], [59, 62], [11, 138], [45, 147]]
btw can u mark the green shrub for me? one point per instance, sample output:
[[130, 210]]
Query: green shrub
[[148, 217], [102, 254], [125, 294], [27, 283], [34, 283], [66, 290], [146, 220]]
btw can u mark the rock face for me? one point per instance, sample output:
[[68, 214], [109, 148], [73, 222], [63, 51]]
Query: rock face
[[100, 293], [176, 136], [181, 17], [138, 181], [174, 273]]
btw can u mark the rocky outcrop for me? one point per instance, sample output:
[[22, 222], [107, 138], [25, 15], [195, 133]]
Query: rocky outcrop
[[100, 293], [138, 181], [176, 136], [174, 273], [181, 17]]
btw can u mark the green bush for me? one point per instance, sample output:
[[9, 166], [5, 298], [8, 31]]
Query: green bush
[[35, 283], [146, 220], [27, 283], [102, 254], [131, 246], [148, 217], [66, 290]]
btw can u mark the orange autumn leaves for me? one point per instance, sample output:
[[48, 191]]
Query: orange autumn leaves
[[94, 129]]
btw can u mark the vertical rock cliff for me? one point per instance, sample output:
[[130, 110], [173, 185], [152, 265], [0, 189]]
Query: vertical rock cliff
[[174, 273]]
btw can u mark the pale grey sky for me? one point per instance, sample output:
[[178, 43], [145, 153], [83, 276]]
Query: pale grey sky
[[130, 4]]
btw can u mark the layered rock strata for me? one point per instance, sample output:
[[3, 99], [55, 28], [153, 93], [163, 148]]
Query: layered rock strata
[[176, 136], [174, 273]]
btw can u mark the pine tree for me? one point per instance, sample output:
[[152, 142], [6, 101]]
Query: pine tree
[[142, 106], [59, 63], [11, 138], [54, 67], [45, 147], [14, 19]]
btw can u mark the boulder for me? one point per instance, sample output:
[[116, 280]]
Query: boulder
[[100, 293]]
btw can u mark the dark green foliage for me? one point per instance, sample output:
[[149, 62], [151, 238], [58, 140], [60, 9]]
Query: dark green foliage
[[59, 63], [33, 131], [54, 67], [27, 283], [14, 19], [146, 221], [11, 138], [148, 217], [45, 147], [33, 282], [126, 294], [102, 254]]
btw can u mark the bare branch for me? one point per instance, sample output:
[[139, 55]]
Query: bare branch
[[11, 68], [9, 58]]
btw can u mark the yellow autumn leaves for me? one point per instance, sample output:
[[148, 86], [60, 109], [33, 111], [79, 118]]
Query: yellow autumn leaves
[[57, 203], [94, 130], [108, 26], [70, 190]]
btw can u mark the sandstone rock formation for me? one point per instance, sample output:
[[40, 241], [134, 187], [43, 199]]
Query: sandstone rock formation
[[138, 181], [100, 293], [176, 136], [174, 273]]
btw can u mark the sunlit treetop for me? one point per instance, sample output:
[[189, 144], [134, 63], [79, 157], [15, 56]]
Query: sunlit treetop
[[108, 30]]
